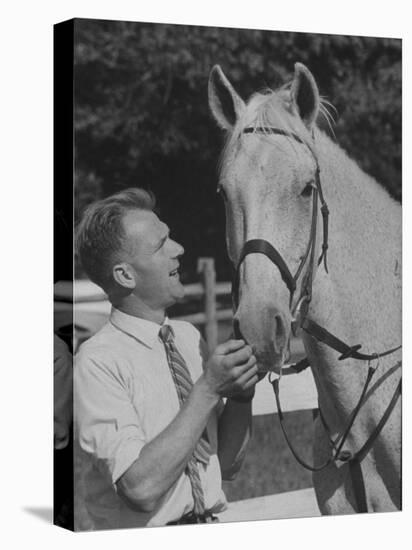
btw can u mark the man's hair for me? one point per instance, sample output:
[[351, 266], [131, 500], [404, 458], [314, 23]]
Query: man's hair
[[100, 234]]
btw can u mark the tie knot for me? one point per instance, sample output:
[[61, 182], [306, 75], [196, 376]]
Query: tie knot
[[166, 334]]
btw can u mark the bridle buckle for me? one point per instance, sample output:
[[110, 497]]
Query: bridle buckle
[[376, 357]]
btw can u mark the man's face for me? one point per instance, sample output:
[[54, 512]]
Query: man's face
[[154, 257]]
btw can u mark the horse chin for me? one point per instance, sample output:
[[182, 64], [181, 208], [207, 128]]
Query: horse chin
[[267, 330], [271, 362]]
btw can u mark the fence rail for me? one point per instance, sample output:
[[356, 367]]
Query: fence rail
[[292, 504], [298, 392]]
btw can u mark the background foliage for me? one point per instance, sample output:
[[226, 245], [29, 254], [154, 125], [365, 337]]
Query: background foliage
[[141, 111]]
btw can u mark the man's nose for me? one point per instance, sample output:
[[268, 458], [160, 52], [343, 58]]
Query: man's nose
[[179, 250]]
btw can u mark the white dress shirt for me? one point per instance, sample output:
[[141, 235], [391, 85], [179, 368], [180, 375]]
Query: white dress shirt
[[124, 396]]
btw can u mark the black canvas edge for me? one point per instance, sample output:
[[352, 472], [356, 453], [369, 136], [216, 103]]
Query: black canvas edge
[[63, 202]]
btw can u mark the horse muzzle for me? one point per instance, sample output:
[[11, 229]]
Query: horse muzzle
[[268, 335]]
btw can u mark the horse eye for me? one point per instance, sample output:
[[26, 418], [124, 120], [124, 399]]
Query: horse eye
[[307, 190]]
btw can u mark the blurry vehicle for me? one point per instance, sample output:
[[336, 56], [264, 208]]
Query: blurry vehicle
[[80, 310]]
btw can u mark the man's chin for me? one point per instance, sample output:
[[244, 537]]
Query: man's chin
[[178, 291], [179, 296]]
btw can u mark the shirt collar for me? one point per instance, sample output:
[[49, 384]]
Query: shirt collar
[[147, 332]]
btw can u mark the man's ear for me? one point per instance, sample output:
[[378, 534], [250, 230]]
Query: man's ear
[[124, 275]]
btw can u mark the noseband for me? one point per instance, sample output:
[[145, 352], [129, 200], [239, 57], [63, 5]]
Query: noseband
[[299, 311]]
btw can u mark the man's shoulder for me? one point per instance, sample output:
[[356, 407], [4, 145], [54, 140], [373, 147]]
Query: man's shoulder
[[99, 346]]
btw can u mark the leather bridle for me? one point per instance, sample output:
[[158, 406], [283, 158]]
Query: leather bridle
[[299, 310]]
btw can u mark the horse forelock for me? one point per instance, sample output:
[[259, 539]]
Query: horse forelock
[[273, 109]]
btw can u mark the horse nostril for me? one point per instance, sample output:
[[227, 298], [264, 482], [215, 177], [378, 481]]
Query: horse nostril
[[280, 333], [236, 330]]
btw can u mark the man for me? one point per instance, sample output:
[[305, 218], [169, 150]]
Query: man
[[156, 447]]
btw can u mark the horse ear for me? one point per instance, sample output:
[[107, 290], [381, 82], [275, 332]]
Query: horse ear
[[224, 102], [305, 95]]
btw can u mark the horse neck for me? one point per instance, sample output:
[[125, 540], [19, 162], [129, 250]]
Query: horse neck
[[364, 247], [360, 299]]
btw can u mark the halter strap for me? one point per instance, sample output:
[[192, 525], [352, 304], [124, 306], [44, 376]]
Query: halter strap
[[260, 246]]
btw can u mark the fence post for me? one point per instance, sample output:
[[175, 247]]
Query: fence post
[[206, 266]]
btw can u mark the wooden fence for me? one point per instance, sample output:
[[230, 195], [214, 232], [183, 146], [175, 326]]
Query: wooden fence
[[298, 391]]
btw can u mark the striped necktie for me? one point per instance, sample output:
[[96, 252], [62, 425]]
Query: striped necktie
[[183, 383]]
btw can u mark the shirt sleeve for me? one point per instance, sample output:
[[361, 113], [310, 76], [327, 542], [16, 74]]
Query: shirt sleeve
[[107, 425]]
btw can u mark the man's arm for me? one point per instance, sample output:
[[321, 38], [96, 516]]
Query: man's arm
[[235, 423], [234, 432], [161, 461]]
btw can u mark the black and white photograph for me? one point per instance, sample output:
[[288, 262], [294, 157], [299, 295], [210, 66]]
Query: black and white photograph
[[237, 282], [205, 299]]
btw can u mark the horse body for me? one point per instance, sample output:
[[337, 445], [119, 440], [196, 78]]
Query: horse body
[[266, 181], [359, 300]]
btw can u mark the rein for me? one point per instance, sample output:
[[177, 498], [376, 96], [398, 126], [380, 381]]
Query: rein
[[299, 312]]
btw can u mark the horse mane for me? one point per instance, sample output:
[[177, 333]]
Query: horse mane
[[273, 108]]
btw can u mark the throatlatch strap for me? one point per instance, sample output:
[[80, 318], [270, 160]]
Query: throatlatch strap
[[321, 334], [310, 249]]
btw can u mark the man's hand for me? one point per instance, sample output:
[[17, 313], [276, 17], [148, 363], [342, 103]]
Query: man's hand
[[231, 370]]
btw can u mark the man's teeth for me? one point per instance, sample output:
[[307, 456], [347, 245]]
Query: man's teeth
[[174, 272]]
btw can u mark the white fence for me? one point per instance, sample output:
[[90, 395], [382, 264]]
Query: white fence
[[298, 391]]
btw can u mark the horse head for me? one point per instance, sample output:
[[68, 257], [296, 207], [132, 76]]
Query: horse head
[[267, 179]]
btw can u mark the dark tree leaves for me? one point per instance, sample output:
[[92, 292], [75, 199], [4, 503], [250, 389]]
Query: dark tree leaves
[[141, 112]]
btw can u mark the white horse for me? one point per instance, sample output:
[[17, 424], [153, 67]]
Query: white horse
[[268, 179]]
